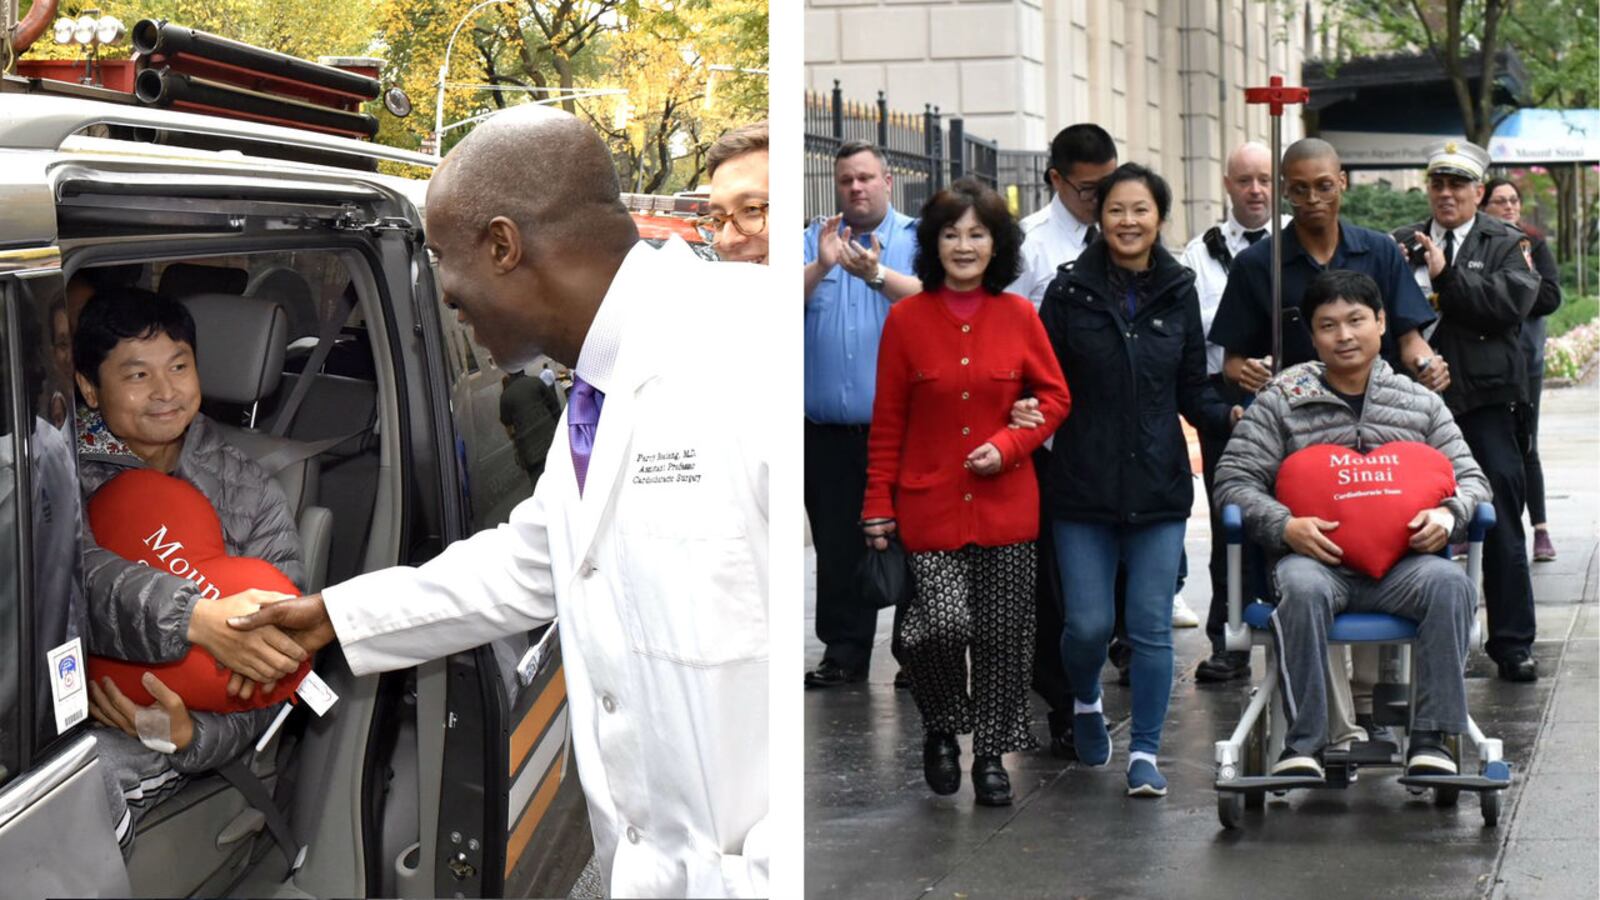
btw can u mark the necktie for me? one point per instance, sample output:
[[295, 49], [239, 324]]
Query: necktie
[[1450, 248], [1090, 235], [1250, 237], [583, 419]]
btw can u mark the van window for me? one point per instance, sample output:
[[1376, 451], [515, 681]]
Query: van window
[[56, 603], [11, 645]]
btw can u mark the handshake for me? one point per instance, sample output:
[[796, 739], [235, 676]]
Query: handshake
[[261, 636]]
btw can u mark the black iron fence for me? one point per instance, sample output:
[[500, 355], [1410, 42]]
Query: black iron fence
[[924, 153]]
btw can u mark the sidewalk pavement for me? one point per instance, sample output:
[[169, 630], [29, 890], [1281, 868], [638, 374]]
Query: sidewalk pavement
[[874, 830]]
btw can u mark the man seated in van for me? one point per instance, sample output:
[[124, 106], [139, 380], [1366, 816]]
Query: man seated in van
[[134, 355], [1352, 398]]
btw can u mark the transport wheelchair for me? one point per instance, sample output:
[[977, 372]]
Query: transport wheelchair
[[1245, 758]]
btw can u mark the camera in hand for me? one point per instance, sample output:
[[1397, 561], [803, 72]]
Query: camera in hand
[[1416, 254]]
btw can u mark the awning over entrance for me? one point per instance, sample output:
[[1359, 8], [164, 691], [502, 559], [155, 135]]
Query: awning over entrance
[[1547, 136]]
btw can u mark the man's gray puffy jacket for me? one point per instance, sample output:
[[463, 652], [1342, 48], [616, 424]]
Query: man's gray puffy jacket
[[141, 614], [1296, 409]]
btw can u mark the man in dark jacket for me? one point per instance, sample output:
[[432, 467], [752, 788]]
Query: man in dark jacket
[[1478, 272]]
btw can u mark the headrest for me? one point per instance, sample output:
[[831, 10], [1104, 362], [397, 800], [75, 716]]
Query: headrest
[[290, 289], [180, 280], [241, 340]]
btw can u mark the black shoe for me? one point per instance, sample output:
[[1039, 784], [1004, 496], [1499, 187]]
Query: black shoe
[[941, 762], [1226, 665], [830, 674], [990, 783], [1061, 746], [1381, 739], [1294, 764], [1428, 755], [1519, 668], [902, 679]]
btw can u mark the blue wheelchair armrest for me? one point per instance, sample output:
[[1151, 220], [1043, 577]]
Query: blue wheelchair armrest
[[1482, 522], [1233, 522]]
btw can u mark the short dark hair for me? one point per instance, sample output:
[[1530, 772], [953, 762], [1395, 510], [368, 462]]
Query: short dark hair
[[750, 138], [1081, 143], [851, 148], [1135, 172], [949, 205], [118, 314], [1339, 284], [1494, 184]]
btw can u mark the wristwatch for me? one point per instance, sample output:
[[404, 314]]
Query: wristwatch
[[877, 279]]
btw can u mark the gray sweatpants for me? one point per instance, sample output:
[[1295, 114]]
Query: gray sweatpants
[[1431, 590]]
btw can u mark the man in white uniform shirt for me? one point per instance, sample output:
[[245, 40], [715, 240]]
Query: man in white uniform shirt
[[647, 533], [1080, 156], [1248, 183]]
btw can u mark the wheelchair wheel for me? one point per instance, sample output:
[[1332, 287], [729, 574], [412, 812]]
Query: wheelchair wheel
[[1490, 801], [1446, 796], [1230, 808]]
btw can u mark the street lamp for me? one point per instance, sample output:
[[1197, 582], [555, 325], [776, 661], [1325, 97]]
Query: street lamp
[[444, 72]]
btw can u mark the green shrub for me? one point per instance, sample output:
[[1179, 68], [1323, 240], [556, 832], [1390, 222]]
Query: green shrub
[[1382, 208], [1574, 311]]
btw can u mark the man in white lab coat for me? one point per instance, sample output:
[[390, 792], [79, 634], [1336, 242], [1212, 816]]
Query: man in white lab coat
[[647, 534]]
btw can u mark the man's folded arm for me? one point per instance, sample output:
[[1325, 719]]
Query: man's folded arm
[[1248, 469]]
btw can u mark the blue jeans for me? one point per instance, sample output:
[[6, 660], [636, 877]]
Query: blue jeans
[[1088, 555]]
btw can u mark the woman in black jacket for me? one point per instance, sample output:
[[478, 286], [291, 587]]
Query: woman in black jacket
[[1124, 321], [1503, 200]]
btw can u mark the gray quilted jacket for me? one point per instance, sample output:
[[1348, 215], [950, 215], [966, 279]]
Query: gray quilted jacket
[[141, 614], [1296, 409]]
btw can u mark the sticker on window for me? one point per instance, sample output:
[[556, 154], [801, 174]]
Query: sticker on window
[[68, 689]]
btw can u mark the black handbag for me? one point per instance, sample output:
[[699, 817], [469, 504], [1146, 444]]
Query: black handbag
[[884, 577]]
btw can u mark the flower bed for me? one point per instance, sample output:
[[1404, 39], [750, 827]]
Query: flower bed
[[1568, 357]]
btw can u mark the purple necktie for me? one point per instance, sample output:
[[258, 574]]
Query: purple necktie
[[583, 417]]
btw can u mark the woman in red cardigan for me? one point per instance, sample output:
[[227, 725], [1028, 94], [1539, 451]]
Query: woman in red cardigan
[[946, 472]]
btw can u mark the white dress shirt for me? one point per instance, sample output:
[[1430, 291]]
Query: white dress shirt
[[1051, 236], [658, 572], [1210, 278]]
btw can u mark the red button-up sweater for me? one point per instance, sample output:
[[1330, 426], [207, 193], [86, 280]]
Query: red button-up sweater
[[945, 387]]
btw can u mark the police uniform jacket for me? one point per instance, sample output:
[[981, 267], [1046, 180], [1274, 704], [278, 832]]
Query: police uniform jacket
[[1120, 457], [1482, 299]]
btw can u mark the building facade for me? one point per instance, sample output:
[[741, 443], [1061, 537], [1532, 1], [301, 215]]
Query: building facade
[[1165, 77]]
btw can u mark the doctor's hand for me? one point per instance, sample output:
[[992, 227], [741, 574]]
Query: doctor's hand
[[985, 461], [1431, 529], [1432, 372], [1253, 374], [265, 655], [877, 532], [1025, 414], [304, 619], [1304, 535]]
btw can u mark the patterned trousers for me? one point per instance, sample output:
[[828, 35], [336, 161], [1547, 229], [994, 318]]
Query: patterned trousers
[[977, 599]]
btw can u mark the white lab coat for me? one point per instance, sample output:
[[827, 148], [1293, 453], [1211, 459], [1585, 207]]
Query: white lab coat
[[658, 573]]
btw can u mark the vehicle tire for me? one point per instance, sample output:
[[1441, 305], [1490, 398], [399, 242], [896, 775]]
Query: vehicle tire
[[1446, 796], [1230, 808], [1490, 800]]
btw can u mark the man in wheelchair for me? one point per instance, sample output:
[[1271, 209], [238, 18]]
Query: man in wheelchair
[[1353, 399]]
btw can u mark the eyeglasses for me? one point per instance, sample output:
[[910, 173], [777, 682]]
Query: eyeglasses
[[1086, 192], [747, 220], [1299, 192], [1506, 200]]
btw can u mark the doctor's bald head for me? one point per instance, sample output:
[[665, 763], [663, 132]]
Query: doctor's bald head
[[527, 230]]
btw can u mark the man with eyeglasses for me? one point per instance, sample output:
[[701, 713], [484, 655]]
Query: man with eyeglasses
[[1317, 241], [1479, 273], [736, 225], [857, 263]]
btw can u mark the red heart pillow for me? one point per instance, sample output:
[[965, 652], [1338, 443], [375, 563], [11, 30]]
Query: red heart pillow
[[1372, 496], [165, 522]]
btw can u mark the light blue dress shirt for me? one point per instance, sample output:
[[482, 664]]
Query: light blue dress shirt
[[844, 319]]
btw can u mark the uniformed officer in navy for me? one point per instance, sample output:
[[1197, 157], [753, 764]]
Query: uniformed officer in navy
[[1478, 273]]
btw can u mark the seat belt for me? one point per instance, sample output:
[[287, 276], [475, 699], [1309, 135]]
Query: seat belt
[[286, 456], [239, 775], [325, 341]]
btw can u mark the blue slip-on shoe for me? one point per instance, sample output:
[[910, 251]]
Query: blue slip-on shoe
[[1091, 740], [1145, 780]]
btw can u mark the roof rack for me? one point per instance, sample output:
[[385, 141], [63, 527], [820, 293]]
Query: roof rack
[[33, 119]]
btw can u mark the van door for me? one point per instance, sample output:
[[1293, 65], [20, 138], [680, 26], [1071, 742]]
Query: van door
[[56, 836]]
